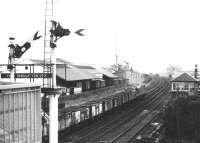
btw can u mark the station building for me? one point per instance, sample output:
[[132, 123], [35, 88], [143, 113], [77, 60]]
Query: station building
[[20, 118], [75, 78], [133, 77], [82, 78]]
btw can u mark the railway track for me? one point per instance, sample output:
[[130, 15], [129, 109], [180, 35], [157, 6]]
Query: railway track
[[94, 132], [97, 123], [130, 133], [121, 131]]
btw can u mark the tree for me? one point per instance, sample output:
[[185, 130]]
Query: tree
[[182, 119]]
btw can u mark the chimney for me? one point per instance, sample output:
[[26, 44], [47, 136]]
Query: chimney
[[195, 72]]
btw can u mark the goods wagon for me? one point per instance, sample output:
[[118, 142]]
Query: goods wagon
[[96, 109], [84, 114], [93, 109], [108, 105]]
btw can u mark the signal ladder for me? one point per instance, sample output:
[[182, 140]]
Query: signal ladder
[[48, 67]]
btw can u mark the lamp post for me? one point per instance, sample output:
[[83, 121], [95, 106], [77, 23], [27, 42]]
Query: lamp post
[[11, 59]]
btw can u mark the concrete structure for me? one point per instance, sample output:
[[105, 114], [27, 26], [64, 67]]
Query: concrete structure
[[20, 118]]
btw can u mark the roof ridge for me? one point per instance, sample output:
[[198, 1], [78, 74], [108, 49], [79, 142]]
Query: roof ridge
[[184, 77]]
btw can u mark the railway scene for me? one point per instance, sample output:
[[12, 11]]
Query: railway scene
[[99, 71]]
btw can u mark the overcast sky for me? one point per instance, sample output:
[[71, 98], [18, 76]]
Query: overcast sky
[[149, 34]]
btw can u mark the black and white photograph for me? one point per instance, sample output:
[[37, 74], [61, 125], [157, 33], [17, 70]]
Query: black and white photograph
[[100, 71]]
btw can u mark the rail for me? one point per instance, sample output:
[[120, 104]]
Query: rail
[[101, 126], [113, 130]]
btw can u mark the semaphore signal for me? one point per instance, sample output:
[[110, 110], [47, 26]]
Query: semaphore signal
[[16, 51]]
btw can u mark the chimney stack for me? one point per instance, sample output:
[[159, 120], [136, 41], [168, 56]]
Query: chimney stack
[[195, 72]]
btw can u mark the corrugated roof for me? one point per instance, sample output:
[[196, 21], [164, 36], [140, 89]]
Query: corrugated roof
[[107, 73], [184, 78], [72, 74], [94, 70], [59, 60], [41, 61], [84, 66], [74, 71]]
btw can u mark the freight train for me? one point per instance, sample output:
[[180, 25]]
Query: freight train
[[72, 117], [76, 116]]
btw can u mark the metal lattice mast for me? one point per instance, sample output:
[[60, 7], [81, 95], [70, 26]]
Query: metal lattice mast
[[48, 68]]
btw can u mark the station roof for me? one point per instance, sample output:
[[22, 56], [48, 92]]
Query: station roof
[[59, 60], [88, 69], [73, 74], [41, 61], [84, 67], [96, 73], [107, 73], [185, 77], [94, 70]]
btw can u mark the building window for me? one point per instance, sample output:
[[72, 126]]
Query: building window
[[87, 85], [174, 86], [186, 86], [98, 84], [78, 84]]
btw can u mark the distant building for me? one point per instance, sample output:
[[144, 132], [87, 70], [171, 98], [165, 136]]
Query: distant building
[[184, 83], [20, 117], [132, 77], [83, 77]]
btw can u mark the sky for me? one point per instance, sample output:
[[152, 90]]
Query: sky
[[149, 34]]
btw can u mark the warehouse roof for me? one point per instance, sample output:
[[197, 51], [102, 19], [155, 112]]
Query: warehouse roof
[[94, 70], [185, 77], [107, 73], [73, 74], [84, 67], [41, 61]]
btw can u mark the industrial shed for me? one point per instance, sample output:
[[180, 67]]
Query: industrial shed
[[20, 119]]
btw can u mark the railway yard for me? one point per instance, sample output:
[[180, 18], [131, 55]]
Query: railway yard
[[135, 121], [99, 72]]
